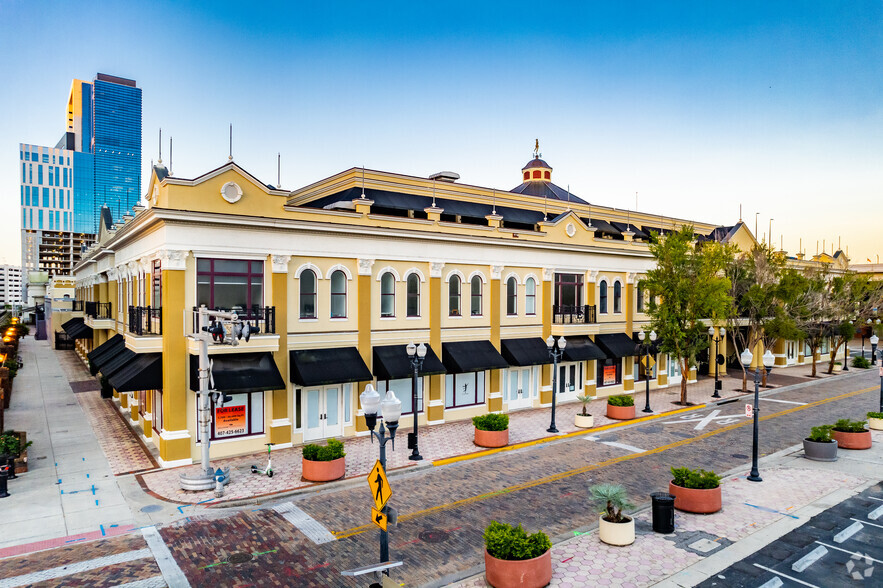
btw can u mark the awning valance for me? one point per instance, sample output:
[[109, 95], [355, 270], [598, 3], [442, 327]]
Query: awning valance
[[616, 345], [105, 352], [116, 362], [240, 372], [334, 365], [471, 356], [391, 362], [142, 372], [524, 352], [582, 348], [77, 329]]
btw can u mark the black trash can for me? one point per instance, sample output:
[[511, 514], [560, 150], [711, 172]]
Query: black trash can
[[663, 512]]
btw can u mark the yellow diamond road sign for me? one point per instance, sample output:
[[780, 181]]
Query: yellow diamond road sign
[[648, 361], [380, 490], [379, 518]]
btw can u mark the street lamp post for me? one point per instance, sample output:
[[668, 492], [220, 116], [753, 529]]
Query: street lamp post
[[874, 340], [722, 333], [390, 410], [768, 360], [881, 380], [645, 348], [416, 355], [556, 351]]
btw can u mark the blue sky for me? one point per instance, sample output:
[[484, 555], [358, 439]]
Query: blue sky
[[697, 106]]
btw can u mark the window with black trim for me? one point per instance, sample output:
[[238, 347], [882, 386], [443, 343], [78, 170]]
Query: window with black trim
[[464, 389], [639, 297], [609, 372], [530, 297], [617, 297], [229, 283], [454, 296], [568, 290], [240, 417], [402, 390], [308, 284], [338, 294], [511, 296], [475, 296], [413, 295], [387, 295], [602, 297], [156, 298]]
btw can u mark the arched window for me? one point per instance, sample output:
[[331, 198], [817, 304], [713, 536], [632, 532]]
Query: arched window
[[338, 294], [617, 297], [413, 301], [511, 296], [639, 296], [526, 176], [530, 296], [476, 296], [602, 297], [307, 294], [387, 294], [454, 296]]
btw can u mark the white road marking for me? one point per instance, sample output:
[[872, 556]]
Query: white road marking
[[154, 582], [307, 525], [875, 498], [631, 448], [864, 555], [876, 513], [767, 399], [711, 416], [773, 582], [171, 573], [74, 568], [793, 579], [848, 532], [809, 559], [867, 523], [703, 421]]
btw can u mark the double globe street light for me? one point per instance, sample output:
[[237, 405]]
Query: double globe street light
[[722, 333], [768, 360], [416, 355], [645, 349], [556, 352]]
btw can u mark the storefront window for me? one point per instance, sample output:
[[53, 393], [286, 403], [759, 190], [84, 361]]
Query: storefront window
[[609, 372], [640, 372], [242, 416], [402, 390], [229, 283], [464, 389]]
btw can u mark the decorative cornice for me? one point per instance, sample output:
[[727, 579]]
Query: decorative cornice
[[435, 268], [280, 263], [548, 274], [593, 275], [497, 271], [365, 266], [173, 259]]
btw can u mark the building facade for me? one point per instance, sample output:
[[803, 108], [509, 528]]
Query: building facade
[[10, 285]]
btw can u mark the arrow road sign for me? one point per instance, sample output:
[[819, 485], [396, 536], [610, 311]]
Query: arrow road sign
[[380, 490], [379, 518]]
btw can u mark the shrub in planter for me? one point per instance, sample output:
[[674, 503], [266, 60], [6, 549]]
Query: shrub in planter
[[614, 528], [584, 419], [861, 362], [491, 430], [851, 434], [621, 407], [838, 366], [819, 446], [695, 491], [875, 420], [323, 463], [514, 558], [10, 444]]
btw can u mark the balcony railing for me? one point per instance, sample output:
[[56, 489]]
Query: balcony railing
[[97, 310], [262, 317], [145, 320], [567, 314]]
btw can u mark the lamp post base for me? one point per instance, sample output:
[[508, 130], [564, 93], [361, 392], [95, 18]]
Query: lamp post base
[[754, 478], [551, 430], [647, 409], [415, 457]]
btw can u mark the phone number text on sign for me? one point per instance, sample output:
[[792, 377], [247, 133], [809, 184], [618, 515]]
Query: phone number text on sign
[[230, 421]]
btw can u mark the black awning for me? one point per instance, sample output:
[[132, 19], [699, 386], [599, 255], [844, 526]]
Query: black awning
[[602, 227], [524, 352], [638, 233], [616, 345], [143, 372], [391, 363], [471, 356], [104, 352], [582, 348], [654, 345], [116, 362], [334, 365], [240, 372], [66, 326], [78, 330]]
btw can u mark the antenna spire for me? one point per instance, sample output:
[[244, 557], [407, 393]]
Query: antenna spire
[[230, 156], [363, 181], [433, 192], [494, 211], [279, 170], [170, 155], [159, 161], [545, 206]]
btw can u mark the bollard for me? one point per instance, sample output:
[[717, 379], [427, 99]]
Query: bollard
[[10, 462], [663, 509], [3, 476]]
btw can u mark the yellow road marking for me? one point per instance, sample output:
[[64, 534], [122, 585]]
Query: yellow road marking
[[588, 468]]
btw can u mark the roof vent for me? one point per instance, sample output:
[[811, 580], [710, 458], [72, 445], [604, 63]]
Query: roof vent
[[445, 176]]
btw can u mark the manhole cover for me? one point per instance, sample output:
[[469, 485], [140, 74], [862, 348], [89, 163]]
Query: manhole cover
[[151, 508], [238, 558], [739, 456], [433, 536]]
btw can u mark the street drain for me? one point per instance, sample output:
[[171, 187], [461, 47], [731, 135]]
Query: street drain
[[739, 456], [433, 536], [151, 508], [238, 558]]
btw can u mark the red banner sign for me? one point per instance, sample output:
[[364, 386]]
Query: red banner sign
[[230, 421]]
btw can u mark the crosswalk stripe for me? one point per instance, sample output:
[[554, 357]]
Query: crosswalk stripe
[[74, 568], [306, 524], [154, 582], [171, 572]]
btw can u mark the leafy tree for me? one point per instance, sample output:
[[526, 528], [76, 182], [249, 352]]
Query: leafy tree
[[686, 286], [852, 300], [808, 308]]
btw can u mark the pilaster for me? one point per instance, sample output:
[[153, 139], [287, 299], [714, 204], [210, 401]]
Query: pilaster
[[280, 423]]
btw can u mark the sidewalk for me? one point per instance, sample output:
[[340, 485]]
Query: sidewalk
[[793, 490], [450, 441]]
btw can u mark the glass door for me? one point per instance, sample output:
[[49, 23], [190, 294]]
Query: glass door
[[674, 370], [570, 381], [323, 413], [519, 388]]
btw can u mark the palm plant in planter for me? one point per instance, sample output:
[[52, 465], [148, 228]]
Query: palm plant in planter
[[584, 419], [875, 420], [696, 491], [491, 430], [512, 558], [614, 528], [851, 434], [324, 463], [621, 407], [819, 446]]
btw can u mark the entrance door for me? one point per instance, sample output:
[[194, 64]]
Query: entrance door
[[323, 413], [674, 371], [519, 387], [570, 381]]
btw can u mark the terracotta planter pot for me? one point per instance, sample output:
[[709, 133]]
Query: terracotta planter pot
[[491, 438], [876, 424], [819, 450], [584, 422], [323, 471], [525, 573], [852, 440], [616, 533], [622, 413], [701, 501]]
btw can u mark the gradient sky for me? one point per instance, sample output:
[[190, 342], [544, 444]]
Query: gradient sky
[[696, 106]]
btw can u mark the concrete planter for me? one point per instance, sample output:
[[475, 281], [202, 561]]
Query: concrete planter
[[323, 471], [616, 533], [876, 424], [696, 500], [852, 440], [491, 438], [620, 413], [584, 421], [837, 368], [819, 450], [525, 573]]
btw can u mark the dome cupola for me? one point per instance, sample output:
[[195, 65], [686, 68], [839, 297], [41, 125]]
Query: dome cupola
[[536, 170]]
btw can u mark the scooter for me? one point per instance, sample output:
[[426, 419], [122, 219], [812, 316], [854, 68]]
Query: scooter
[[269, 469]]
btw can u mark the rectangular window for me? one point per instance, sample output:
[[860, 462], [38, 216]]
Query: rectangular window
[[464, 389], [23, 172], [157, 410], [40, 219], [30, 173], [51, 221], [402, 390], [54, 201], [609, 372], [156, 295], [242, 416], [229, 283], [22, 195], [51, 176], [46, 157], [57, 176], [65, 177], [45, 197], [640, 372], [568, 290], [40, 174]]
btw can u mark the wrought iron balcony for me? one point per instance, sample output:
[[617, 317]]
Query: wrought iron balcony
[[262, 317], [98, 310], [145, 320], [567, 314], [77, 305]]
